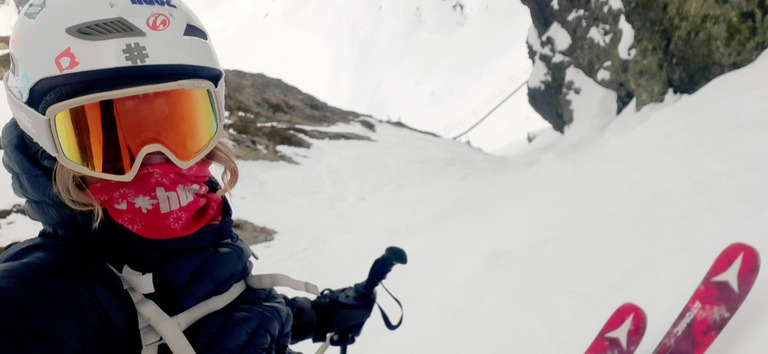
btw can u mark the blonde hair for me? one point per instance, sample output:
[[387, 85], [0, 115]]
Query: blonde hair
[[71, 187]]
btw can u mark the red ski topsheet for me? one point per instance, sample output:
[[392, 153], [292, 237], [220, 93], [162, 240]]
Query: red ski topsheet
[[622, 333], [714, 302]]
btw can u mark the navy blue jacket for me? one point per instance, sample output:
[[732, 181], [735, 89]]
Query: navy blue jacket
[[58, 294]]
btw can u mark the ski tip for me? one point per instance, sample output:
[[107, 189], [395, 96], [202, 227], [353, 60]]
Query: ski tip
[[739, 247], [740, 258], [622, 332], [635, 310], [633, 307], [728, 282]]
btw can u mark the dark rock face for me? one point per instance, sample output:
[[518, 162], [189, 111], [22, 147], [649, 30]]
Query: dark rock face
[[640, 49], [271, 100], [266, 113], [251, 233]]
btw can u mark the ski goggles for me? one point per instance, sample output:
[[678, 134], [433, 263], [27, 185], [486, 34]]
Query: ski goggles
[[108, 134]]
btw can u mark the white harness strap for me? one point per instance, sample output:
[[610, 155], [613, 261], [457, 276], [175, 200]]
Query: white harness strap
[[266, 281], [155, 333], [160, 322], [157, 327]]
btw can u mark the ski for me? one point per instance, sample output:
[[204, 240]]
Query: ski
[[714, 302], [622, 333]]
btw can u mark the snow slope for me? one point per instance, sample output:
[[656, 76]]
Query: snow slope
[[528, 252], [531, 253]]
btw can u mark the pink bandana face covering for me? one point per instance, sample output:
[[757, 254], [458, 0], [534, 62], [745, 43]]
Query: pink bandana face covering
[[163, 201]]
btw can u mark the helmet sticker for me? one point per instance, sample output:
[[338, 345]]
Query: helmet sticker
[[158, 22], [35, 8], [135, 53], [66, 60], [20, 85], [16, 38], [154, 2]]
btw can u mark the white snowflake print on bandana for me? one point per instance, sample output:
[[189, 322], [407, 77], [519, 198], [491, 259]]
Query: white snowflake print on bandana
[[162, 201]]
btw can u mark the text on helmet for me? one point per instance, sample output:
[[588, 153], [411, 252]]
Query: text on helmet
[[154, 2]]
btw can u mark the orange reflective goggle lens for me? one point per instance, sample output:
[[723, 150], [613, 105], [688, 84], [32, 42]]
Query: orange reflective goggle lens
[[107, 135]]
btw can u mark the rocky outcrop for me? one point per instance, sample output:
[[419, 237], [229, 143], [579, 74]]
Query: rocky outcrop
[[5, 59], [251, 233], [639, 49], [15, 209], [265, 113]]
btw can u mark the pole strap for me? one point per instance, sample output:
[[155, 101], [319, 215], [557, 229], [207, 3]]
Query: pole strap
[[384, 316]]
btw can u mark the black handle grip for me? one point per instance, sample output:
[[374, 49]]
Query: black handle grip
[[381, 267], [362, 293]]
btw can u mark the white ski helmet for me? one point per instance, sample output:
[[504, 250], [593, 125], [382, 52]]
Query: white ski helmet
[[63, 49]]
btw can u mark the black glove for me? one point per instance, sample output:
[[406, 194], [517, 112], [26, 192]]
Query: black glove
[[343, 311]]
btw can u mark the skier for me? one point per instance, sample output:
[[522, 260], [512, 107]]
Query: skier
[[118, 110]]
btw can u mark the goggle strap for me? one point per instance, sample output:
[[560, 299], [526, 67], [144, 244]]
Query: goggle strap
[[32, 122]]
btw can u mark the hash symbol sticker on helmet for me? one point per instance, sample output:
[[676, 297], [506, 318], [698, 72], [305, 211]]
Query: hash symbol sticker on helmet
[[135, 53], [158, 22]]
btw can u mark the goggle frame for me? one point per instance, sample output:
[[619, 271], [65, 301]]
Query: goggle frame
[[59, 107]]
